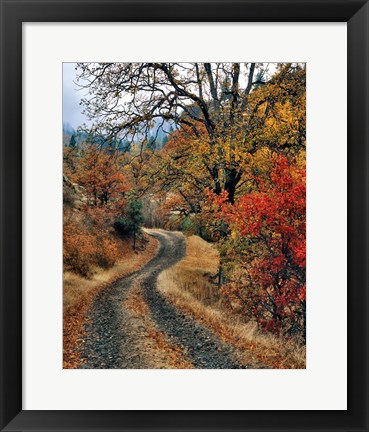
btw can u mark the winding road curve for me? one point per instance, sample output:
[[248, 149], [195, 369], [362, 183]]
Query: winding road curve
[[111, 341]]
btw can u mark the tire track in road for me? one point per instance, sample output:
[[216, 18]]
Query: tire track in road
[[112, 340]]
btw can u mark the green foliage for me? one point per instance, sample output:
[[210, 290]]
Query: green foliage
[[132, 219], [73, 141], [187, 224], [134, 213]]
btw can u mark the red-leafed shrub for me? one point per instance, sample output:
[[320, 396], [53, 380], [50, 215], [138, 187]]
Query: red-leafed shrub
[[268, 241]]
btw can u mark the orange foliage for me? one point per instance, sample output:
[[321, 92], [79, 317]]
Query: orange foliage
[[101, 175], [100, 185], [84, 247]]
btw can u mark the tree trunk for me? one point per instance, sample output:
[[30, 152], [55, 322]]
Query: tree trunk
[[220, 276], [233, 177]]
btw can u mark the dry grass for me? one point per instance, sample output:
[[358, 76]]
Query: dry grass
[[197, 271], [189, 285], [79, 293], [77, 287]]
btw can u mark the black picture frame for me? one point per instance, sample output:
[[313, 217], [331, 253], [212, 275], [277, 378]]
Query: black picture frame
[[13, 14]]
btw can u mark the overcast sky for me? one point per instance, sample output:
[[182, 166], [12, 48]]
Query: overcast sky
[[71, 97]]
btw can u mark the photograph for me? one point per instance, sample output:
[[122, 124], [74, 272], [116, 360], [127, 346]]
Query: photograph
[[184, 215]]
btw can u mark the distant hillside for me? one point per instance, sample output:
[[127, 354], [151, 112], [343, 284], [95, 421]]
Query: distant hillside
[[68, 129], [159, 136]]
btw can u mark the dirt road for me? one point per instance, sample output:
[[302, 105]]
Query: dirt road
[[131, 325]]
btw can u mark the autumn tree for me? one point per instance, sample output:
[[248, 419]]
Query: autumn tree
[[210, 98], [272, 120], [101, 175], [266, 251], [215, 101], [94, 196]]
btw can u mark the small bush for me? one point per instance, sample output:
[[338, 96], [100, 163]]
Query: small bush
[[107, 253], [83, 248], [79, 250]]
